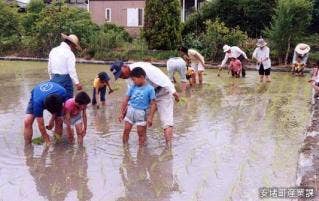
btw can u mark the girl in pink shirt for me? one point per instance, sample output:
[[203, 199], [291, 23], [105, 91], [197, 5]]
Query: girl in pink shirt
[[235, 67], [75, 115]]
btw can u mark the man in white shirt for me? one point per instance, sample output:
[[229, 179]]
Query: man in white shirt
[[261, 55], [234, 52], [61, 66], [164, 91]]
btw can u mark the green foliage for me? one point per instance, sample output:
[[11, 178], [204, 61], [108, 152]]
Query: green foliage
[[162, 29], [251, 16], [314, 26], [212, 40], [107, 38], [9, 29], [289, 25], [53, 21], [36, 6]]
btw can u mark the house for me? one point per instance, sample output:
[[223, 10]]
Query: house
[[130, 13]]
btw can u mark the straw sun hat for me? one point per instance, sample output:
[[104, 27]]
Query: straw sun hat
[[73, 39], [302, 48], [261, 43]]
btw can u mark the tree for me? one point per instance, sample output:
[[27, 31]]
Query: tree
[[162, 28], [314, 27], [251, 16], [292, 18], [212, 40], [9, 29]]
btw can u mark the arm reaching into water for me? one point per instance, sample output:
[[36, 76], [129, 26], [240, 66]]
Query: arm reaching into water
[[123, 108], [151, 113]]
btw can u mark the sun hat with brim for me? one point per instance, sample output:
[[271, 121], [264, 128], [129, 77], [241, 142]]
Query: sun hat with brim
[[116, 69], [226, 48], [302, 48], [73, 39], [261, 43]]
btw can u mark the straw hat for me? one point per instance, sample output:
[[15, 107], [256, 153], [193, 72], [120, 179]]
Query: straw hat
[[226, 48], [302, 48], [261, 43], [73, 39]]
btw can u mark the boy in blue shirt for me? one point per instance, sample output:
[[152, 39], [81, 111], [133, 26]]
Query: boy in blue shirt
[[49, 96], [139, 99]]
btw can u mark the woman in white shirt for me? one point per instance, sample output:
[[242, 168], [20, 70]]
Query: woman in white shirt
[[261, 55], [197, 62]]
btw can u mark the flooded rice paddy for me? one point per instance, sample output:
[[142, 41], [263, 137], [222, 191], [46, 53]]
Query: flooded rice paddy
[[232, 136]]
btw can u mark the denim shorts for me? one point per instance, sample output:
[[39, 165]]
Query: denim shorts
[[136, 116]]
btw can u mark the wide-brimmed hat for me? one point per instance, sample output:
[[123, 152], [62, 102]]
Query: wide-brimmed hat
[[302, 48], [261, 43], [73, 39], [116, 68], [226, 48]]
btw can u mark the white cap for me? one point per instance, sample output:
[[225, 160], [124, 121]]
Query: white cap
[[226, 48]]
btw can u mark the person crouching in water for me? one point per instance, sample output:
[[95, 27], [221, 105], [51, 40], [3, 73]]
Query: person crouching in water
[[235, 67], [197, 62], [75, 115], [99, 88], [139, 99], [298, 67]]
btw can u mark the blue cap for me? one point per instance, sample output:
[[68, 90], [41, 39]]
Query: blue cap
[[103, 76], [116, 68]]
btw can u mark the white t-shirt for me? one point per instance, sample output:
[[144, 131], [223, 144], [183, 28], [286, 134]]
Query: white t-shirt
[[154, 76]]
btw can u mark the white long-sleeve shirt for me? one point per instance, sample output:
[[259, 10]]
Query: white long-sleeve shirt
[[62, 61], [303, 60], [154, 76], [234, 52], [262, 54]]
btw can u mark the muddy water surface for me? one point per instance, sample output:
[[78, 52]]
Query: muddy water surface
[[232, 136]]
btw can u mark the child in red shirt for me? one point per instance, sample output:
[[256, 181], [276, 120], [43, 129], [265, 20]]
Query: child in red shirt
[[235, 67], [75, 115]]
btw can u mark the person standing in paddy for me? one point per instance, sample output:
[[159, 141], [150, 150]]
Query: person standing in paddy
[[261, 55], [61, 65], [164, 91]]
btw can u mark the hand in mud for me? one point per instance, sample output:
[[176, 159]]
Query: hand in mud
[[83, 132], [176, 97], [111, 91], [79, 87], [49, 127], [120, 118], [149, 122]]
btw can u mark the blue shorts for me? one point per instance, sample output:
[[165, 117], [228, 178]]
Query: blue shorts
[[76, 120], [136, 116], [66, 82]]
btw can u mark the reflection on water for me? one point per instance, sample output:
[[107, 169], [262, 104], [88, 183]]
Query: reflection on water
[[231, 137], [149, 176], [59, 171]]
